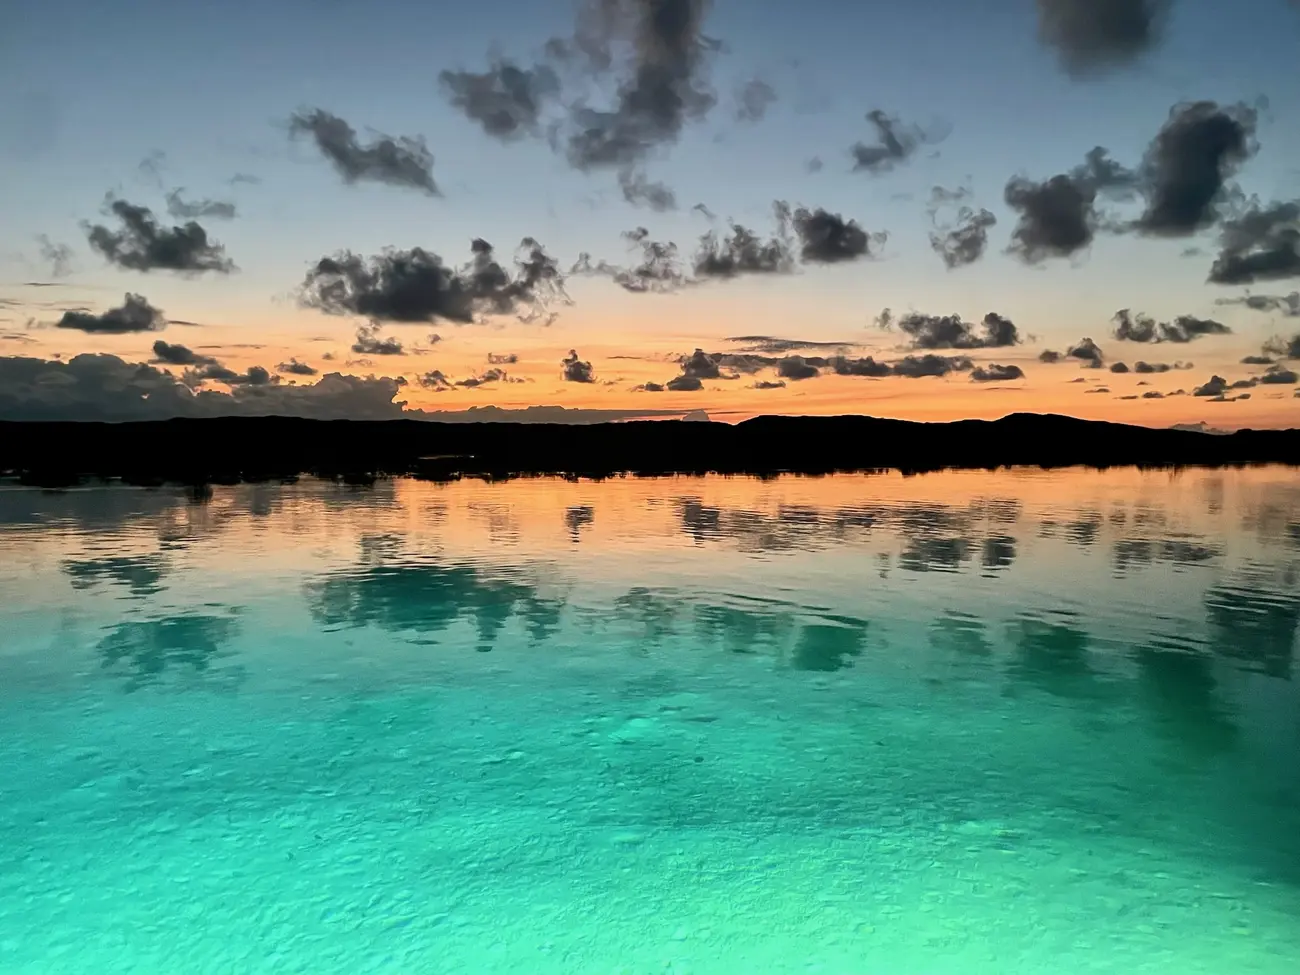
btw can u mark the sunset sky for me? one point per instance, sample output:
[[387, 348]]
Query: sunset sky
[[220, 161]]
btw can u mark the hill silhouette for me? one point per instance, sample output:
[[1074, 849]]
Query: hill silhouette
[[230, 450]]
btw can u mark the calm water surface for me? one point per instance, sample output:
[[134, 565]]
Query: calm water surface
[[960, 723]]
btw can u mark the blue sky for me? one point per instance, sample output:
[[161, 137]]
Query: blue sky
[[88, 90]]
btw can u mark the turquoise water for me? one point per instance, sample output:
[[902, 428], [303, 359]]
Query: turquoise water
[[958, 723]]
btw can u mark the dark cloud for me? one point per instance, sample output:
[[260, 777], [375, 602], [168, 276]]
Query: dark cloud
[[1094, 36], [1286, 348], [1258, 360], [1218, 386], [104, 387], [143, 245], [506, 359], [197, 209], [772, 344], [435, 380], [827, 238], [649, 388], [135, 314], [995, 373], [951, 332], [1262, 244], [1050, 357], [295, 368], [796, 368], [577, 371], [639, 190], [369, 343], [663, 85], [416, 286], [493, 375], [395, 161], [866, 367], [178, 355], [507, 101], [1286, 305], [215, 372], [1098, 389], [814, 165], [1152, 368], [753, 99], [1088, 352], [684, 384], [767, 384], [964, 243], [1183, 329], [1279, 375], [57, 257], [1105, 175], [742, 252], [1119, 367], [659, 270], [1188, 162], [917, 367], [1153, 394], [895, 143]]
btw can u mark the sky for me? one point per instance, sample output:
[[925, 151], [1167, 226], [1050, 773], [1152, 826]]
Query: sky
[[651, 207]]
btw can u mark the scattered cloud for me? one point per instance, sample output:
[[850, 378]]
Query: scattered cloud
[[295, 368], [769, 384], [1130, 327], [142, 245], [742, 252], [952, 332], [1286, 305], [506, 100], [640, 191], [1279, 375], [828, 238], [1092, 37], [1283, 347], [1183, 174], [506, 359], [135, 314], [753, 99], [1058, 217], [659, 270], [165, 353], [577, 371], [403, 161], [368, 342], [917, 367], [198, 209], [796, 368], [995, 373], [57, 257], [1261, 244], [416, 286], [965, 241], [895, 143], [772, 344]]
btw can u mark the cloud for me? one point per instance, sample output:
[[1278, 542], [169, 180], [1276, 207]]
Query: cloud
[[1183, 329], [865, 367], [507, 359], [436, 380], [1119, 367], [1094, 36], [1261, 244], [403, 161], [767, 384], [1088, 352], [416, 286], [684, 384], [105, 387], [295, 368], [178, 355], [142, 245], [248, 178], [57, 257], [577, 371], [1058, 216], [659, 269], [1052, 357], [964, 243], [506, 100], [1151, 368], [1286, 305], [1286, 348], [951, 332], [995, 373], [493, 375], [827, 238], [648, 388], [641, 191], [1188, 162], [1257, 360], [771, 344], [135, 314], [742, 252], [1218, 387], [216, 372], [196, 209], [796, 368], [917, 367], [663, 84], [895, 144], [1279, 375], [753, 99], [369, 343]]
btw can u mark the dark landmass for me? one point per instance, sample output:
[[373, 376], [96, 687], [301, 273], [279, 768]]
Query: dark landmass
[[221, 451]]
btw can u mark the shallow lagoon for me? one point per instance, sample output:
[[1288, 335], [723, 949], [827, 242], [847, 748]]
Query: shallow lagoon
[[958, 723]]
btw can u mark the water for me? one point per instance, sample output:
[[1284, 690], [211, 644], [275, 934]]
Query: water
[[959, 723]]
